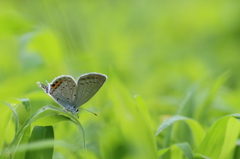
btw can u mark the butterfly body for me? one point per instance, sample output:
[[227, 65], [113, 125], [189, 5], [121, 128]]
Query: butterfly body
[[72, 94]]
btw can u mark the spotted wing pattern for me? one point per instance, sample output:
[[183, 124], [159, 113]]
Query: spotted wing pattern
[[69, 94], [63, 90], [87, 87]]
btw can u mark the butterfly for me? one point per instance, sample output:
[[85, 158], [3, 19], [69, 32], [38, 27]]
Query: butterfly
[[71, 94]]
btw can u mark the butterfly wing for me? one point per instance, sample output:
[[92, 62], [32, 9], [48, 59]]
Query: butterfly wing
[[62, 90], [87, 87]]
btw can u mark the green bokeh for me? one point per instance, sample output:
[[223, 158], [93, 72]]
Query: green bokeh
[[169, 53]]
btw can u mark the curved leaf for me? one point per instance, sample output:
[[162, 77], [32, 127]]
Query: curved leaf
[[196, 130], [222, 137], [14, 114]]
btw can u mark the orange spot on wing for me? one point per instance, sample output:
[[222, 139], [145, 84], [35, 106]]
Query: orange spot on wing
[[56, 84]]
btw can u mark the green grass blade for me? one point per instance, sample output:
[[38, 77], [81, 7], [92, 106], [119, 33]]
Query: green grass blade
[[187, 107], [203, 110], [4, 124], [14, 114], [24, 139]]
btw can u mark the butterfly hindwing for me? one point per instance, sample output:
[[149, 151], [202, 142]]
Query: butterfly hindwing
[[87, 87]]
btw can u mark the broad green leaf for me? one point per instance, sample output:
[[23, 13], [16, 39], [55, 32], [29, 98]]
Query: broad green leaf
[[41, 133], [237, 149], [220, 140]]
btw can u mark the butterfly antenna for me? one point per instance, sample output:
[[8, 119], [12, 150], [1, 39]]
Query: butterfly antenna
[[88, 111]]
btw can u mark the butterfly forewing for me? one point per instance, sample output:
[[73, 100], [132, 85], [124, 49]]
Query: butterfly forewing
[[87, 86], [57, 98], [63, 90]]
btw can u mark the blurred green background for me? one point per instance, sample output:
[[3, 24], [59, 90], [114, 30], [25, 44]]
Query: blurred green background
[[162, 51]]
